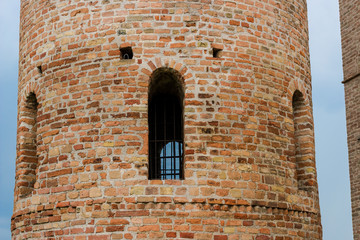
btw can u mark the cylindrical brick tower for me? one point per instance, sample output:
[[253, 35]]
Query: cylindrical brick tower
[[165, 119]]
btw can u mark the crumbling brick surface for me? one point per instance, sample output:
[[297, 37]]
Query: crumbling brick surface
[[240, 165]]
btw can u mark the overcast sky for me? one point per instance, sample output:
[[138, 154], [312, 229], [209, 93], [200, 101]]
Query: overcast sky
[[329, 115]]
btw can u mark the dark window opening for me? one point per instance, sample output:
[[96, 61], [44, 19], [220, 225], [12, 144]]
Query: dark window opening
[[217, 52], [166, 145], [126, 53]]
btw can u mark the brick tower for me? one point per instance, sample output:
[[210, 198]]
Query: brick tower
[[350, 34], [165, 119]]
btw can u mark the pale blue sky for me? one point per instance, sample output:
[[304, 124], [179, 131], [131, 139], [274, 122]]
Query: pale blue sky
[[329, 115]]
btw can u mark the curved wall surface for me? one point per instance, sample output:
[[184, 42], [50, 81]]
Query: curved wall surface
[[82, 157]]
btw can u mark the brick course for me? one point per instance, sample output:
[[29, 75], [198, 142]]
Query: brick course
[[245, 162]]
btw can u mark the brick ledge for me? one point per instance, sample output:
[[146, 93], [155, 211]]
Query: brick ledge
[[351, 78]]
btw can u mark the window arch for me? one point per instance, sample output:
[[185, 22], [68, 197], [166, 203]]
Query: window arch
[[304, 142], [166, 128], [27, 159]]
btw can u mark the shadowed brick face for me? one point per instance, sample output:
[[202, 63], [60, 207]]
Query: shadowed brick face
[[249, 167], [350, 34]]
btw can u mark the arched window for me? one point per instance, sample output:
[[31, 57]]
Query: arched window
[[304, 143], [166, 130], [27, 159]]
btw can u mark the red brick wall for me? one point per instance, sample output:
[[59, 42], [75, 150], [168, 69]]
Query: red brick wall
[[350, 35], [92, 131]]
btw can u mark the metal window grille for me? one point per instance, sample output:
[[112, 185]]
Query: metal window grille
[[165, 138]]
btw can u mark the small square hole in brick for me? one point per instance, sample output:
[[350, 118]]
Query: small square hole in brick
[[39, 68], [217, 52], [126, 53]]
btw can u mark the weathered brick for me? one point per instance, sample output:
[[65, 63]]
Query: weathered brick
[[82, 167]]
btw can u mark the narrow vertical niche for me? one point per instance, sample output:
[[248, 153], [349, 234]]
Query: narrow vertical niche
[[27, 159], [304, 143]]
